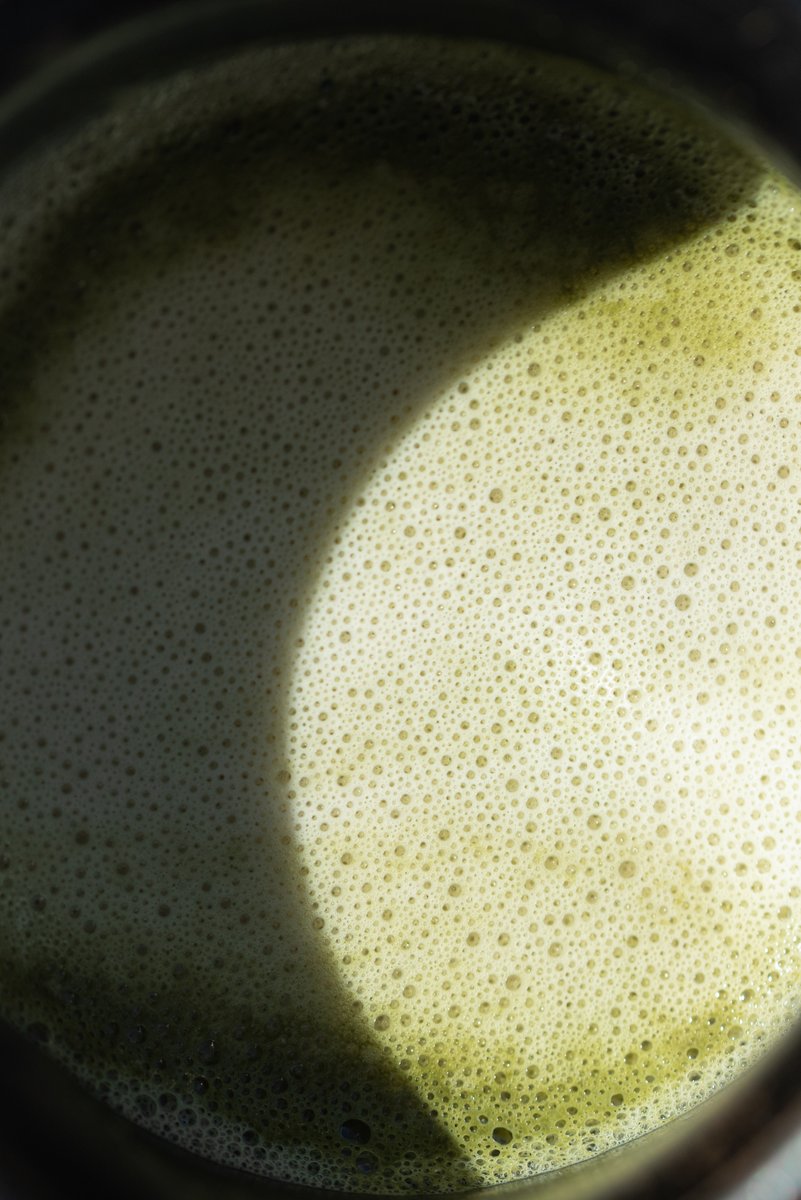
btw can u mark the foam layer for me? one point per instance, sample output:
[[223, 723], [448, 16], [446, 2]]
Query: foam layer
[[400, 542], [547, 716]]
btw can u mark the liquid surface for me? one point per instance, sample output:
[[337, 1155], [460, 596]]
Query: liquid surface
[[400, 536]]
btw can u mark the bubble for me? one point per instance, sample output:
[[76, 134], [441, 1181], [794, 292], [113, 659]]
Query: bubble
[[356, 1131]]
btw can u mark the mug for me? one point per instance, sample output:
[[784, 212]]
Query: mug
[[741, 60]]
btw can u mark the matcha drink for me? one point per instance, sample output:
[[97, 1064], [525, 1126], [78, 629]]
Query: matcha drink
[[401, 639]]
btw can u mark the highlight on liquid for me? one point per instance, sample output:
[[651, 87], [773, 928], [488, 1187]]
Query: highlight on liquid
[[401, 544]]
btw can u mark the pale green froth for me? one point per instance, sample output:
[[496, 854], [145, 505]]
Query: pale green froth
[[400, 548]]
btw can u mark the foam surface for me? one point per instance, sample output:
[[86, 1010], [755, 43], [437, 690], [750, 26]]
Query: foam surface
[[547, 722], [400, 612]]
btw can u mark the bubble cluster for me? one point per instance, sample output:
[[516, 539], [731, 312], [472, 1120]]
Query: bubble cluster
[[546, 788], [401, 544]]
